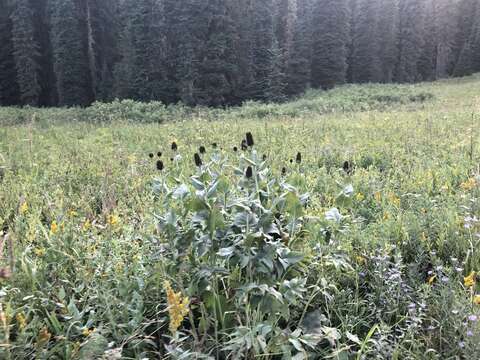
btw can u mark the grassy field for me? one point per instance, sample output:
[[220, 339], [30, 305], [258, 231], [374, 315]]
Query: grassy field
[[365, 248]]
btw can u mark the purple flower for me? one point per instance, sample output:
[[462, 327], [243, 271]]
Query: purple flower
[[469, 333], [473, 318]]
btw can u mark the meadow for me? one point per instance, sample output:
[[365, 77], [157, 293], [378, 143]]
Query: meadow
[[347, 226]]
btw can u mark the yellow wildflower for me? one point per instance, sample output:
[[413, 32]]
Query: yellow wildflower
[[39, 252], [113, 219], [54, 227], [394, 199], [469, 184], [431, 279], [86, 331], [86, 225], [476, 299], [72, 213], [21, 320], [386, 216], [43, 336], [469, 281], [360, 197], [378, 196], [360, 259], [177, 307], [23, 208]]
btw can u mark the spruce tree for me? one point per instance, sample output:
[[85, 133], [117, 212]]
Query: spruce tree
[[264, 55], [410, 40], [217, 66], [365, 64], [26, 53], [330, 40], [9, 92], [387, 30], [70, 49]]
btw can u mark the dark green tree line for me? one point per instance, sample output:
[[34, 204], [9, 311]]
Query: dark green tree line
[[224, 52]]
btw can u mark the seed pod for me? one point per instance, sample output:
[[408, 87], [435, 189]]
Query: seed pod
[[150, 155], [235, 149], [174, 146], [159, 154], [244, 145], [159, 165], [249, 137], [249, 172], [198, 160], [299, 158], [284, 171], [291, 161], [202, 149]]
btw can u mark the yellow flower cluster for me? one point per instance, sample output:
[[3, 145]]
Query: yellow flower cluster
[[54, 227], [21, 320], [431, 279], [469, 184], [23, 208], [113, 219], [476, 299], [394, 199], [86, 331], [469, 281], [177, 307]]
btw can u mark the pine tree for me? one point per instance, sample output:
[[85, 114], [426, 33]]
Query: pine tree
[[468, 61], [264, 60], [217, 67], [275, 90], [410, 40], [70, 49], [9, 92], [26, 53], [387, 30], [330, 40], [445, 15], [102, 45], [427, 50], [365, 64], [299, 64]]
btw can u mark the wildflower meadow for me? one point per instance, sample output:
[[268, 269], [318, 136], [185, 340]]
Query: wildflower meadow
[[339, 225]]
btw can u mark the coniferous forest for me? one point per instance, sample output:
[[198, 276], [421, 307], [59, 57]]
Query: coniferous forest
[[223, 52]]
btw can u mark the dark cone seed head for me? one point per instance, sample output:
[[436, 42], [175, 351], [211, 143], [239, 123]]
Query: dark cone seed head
[[160, 165], [284, 171], [159, 154], [198, 160], [299, 158], [235, 149], [244, 145], [249, 172], [249, 137], [174, 146], [214, 145], [150, 155], [202, 149]]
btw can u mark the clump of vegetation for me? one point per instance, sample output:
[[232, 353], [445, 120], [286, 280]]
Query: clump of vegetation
[[343, 99]]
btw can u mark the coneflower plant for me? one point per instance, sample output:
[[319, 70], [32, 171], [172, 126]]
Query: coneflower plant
[[174, 146], [202, 149]]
